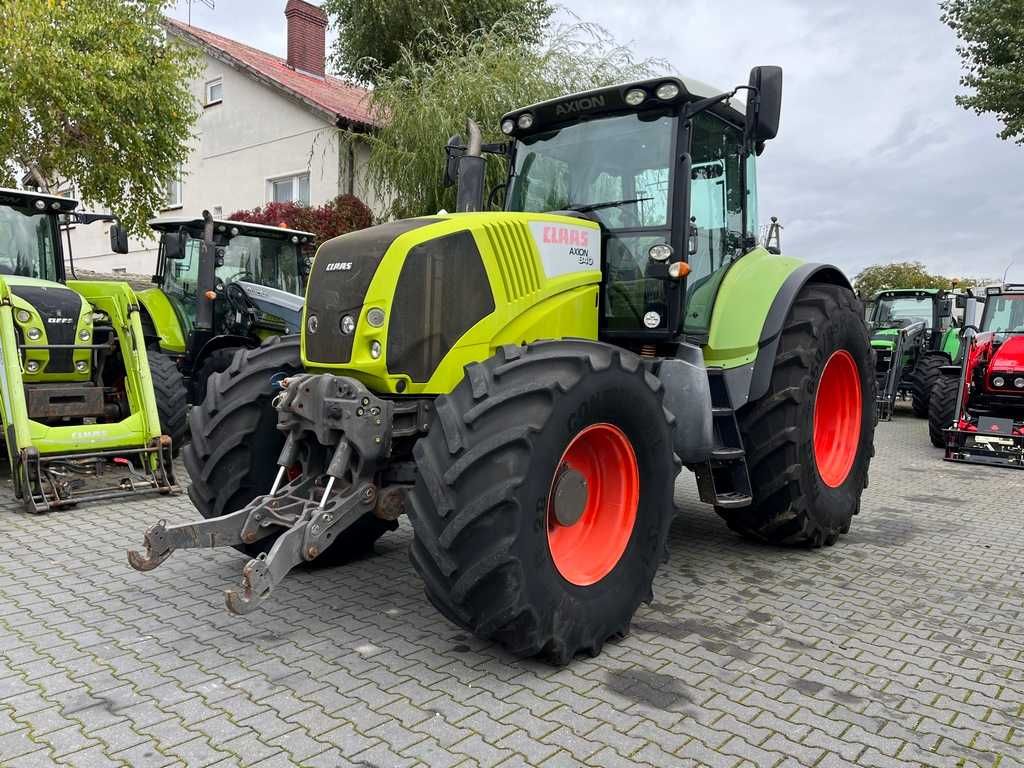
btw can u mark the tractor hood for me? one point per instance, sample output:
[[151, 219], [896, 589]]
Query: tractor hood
[[275, 303], [1008, 357], [56, 315], [885, 338]]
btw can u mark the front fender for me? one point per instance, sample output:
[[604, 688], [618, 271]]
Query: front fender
[[165, 320]]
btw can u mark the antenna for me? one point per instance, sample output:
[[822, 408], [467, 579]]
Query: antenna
[[1007, 270], [208, 3]]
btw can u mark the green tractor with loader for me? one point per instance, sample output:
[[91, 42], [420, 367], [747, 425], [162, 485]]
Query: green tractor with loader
[[78, 397], [526, 384], [914, 334], [220, 286]]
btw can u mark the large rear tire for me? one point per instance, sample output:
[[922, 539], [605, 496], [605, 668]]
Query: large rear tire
[[572, 430], [928, 370], [171, 398], [809, 439], [235, 445], [942, 409]]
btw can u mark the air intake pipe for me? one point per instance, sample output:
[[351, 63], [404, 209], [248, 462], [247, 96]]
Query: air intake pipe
[[472, 168], [206, 278]]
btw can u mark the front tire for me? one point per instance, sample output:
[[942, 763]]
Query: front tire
[[171, 398], [235, 445], [942, 409], [524, 431], [928, 370], [809, 440]]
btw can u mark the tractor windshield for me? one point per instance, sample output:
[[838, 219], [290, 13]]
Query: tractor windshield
[[618, 164], [28, 245], [270, 261], [903, 310], [1004, 313]]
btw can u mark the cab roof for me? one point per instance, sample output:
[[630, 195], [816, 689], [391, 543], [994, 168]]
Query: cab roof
[[611, 100], [194, 226], [23, 198]]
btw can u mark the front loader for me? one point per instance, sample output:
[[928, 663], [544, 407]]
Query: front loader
[[527, 383], [914, 333], [79, 415]]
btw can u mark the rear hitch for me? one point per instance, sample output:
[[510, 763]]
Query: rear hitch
[[338, 431]]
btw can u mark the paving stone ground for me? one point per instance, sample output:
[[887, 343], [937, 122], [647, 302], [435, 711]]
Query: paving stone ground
[[901, 645]]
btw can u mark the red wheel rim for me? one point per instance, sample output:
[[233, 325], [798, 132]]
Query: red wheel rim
[[587, 550], [837, 415]]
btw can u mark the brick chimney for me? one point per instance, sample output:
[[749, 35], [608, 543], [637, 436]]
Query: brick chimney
[[307, 36]]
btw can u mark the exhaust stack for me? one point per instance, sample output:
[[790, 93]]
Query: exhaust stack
[[472, 168]]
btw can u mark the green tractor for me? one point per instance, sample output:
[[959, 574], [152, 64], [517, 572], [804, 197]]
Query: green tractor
[[914, 334], [221, 286], [526, 384], [80, 418]]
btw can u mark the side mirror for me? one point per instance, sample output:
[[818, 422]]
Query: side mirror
[[764, 105], [945, 308], [174, 245], [118, 238], [453, 152]]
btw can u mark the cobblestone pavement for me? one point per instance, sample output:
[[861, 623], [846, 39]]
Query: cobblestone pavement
[[903, 644]]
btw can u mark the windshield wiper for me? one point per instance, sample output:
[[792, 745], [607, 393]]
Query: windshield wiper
[[587, 207]]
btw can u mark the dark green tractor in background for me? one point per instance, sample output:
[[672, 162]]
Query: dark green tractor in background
[[914, 334]]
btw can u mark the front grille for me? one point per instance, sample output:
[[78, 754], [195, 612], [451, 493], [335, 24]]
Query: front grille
[[341, 274], [55, 304]]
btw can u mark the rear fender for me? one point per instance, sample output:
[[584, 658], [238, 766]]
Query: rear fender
[[749, 314]]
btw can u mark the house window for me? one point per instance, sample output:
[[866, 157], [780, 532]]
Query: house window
[[290, 189], [172, 192], [214, 92]]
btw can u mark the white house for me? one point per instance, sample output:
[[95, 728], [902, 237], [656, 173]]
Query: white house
[[267, 131]]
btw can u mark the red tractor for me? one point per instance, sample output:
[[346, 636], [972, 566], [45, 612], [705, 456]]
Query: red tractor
[[977, 409]]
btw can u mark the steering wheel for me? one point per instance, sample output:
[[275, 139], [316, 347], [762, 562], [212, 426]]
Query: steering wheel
[[243, 275]]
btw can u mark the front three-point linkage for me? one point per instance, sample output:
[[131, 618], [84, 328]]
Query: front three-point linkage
[[336, 431]]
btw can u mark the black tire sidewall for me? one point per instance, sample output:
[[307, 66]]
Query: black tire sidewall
[[615, 397], [834, 505]]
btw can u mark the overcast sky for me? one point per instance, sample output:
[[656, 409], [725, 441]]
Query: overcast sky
[[873, 162]]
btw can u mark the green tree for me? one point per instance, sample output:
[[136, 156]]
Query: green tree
[[94, 93], [480, 76], [991, 48], [906, 274], [375, 36]]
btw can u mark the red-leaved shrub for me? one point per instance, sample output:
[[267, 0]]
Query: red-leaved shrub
[[345, 213]]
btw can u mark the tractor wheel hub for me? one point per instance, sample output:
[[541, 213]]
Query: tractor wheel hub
[[570, 497]]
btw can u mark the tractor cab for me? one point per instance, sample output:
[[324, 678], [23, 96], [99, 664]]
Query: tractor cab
[[666, 167], [249, 288]]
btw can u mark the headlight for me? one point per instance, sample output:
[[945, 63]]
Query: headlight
[[24, 316], [374, 349], [507, 126], [312, 323], [375, 317], [1019, 382], [635, 97], [32, 366], [667, 91], [525, 121], [660, 252], [348, 324], [83, 335], [34, 333], [81, 366], [998, 381]]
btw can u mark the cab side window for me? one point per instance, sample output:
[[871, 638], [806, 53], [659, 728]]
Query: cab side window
[[716, 205]]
